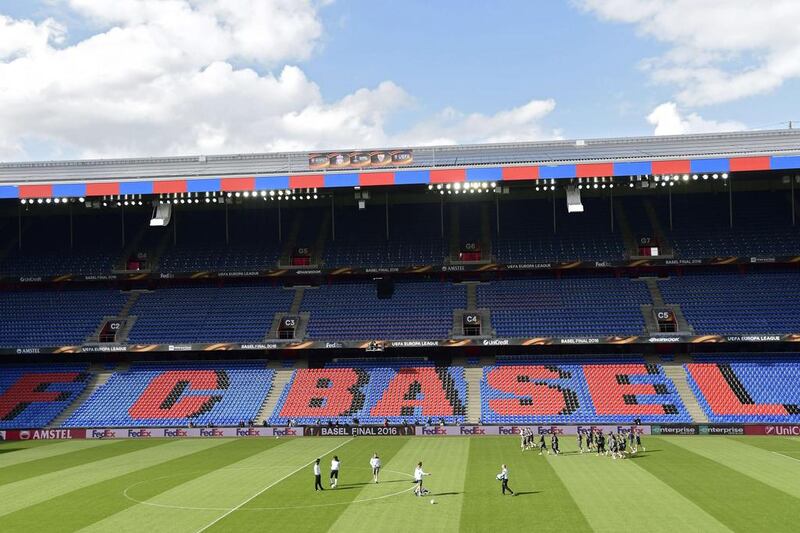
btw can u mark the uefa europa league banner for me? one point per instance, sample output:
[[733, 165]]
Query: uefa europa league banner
[[371, 159]]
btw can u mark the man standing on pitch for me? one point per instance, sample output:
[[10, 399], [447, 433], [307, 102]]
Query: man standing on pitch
[[375, 463], [419, 473], [317, 476], [334, 471], [503, 477]]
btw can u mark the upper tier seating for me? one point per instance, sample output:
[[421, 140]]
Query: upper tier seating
[[762, 225], [239, 313], [32, 396], [54, 318], [566, 391], [526, 233], [748, 389], [46, 251], [352, 311], [373, 391], [175, 394], [730, 304], [253, 241], [570, 306], [414, 237]]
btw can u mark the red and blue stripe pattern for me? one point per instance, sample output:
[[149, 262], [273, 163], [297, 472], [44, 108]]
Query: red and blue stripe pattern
[[400, 177]]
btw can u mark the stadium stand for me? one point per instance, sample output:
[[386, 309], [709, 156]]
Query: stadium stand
[[572, 390], [526, 233], [569, 306], [202, 246], [238, 313], [414, 237], [731, 304], [747, 388], [373, 391], [32, 396], [762, 226], [46, 249], [32, 318], [177, 394], [352, 311]]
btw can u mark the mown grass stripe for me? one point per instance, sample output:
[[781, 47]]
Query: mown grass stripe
[[70, 459], [543, 504], [752, 456], [447, 461], [211, 479], [143, 454], [12, 453], [284, 505], [612, 493], [738, 501]]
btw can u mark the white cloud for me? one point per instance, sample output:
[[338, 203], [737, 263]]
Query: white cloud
[[720, 50], [171, 77], [517, 124], [668, 120]]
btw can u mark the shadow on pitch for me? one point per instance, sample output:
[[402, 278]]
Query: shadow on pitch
[[447, 494], [527, 493]]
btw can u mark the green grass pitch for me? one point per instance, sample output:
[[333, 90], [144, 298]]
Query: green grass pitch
[[706, 483]]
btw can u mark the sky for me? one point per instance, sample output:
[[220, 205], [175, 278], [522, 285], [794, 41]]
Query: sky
[[130, 78]]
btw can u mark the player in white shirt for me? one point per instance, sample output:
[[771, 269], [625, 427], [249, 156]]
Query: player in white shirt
[[317, 476], [419, 473], [503, 476], [335, 471], [375, 463]]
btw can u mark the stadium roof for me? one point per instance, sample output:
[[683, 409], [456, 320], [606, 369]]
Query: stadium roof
[[720, 152]]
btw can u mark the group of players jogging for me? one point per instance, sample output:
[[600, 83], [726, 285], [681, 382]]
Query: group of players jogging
[[615, 444]]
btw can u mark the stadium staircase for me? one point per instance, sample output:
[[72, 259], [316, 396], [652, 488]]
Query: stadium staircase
[[486, 234], [159, 250], [285, 260], [318, 251], [473, 374], [124, 314], [294, 311], [664, 243], [472, 307], [628, 239], [282, 377], [100, 375], [455, 234], [676, 372], [658, 301], [120, 265]]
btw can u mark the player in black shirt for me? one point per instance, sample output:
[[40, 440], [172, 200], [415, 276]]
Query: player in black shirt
[[554, 443], [543, 446], [580, 441]]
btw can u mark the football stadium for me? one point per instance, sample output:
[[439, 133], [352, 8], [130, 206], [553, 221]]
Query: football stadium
[[596, 334], [358, 266]]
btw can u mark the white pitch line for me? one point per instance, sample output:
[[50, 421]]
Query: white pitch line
[[787, 456], [265, 489]]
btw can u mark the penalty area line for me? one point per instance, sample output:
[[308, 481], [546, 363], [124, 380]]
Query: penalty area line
[[787, 456], [265, 489]]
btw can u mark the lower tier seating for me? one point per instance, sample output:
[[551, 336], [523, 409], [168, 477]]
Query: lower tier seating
[[372, 393], [32, 396], [573, 391], [176, 394], [747, 390]]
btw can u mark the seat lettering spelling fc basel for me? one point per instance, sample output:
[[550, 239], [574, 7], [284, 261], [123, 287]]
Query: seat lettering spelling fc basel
[[175, 394], [748, 389], [515, 392], [33, 396], [373, 394], [765, 389]]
